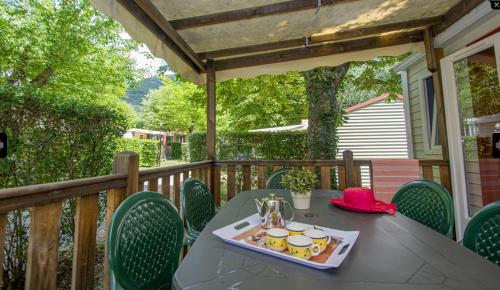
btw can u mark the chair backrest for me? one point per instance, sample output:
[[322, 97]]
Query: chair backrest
[[428, 203], [482, 234], [274, 181], [144, 242], [198, 205]]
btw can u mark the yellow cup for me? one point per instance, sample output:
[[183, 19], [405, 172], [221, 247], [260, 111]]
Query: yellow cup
[[276, 239], [318, 237], [302, 247], [295, 229]]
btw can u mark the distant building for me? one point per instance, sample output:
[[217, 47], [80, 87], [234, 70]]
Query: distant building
[[374, 129], [165, 137]]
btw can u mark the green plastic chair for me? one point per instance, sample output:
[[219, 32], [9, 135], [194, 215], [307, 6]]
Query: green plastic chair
[[144, 242], [198, 207], [482, 234], [274, 181], [428, 203]]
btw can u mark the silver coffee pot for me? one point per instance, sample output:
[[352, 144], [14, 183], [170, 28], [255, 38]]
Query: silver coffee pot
[[272, 211]]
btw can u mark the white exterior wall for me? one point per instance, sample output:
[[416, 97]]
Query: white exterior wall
[[377, 131]]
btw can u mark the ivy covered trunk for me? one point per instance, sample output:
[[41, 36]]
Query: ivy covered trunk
[[322, 86]]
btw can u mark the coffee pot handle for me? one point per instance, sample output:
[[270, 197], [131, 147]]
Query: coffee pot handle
[[291, 209]]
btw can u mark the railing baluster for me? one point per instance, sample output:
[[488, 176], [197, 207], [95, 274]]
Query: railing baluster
[[165, 186], [428, 172], [84, 247], [43, 246], [276, 167], [341, 177], [231, 181], [247, 177], [348, 168], [185, 176], [356, 173], [326, 182], [216, 192], [261, 176], [153, 184], [177, 190], [3, 224], [444, 174]]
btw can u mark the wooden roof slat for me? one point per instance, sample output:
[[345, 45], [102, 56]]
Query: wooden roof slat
[[337, 36], [247, 13], [149, 15], [319, 50], [454, 14]]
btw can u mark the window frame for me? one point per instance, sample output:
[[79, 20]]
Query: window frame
[[428, 137]]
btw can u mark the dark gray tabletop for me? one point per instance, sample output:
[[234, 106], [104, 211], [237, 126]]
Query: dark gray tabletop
[[391, 252]]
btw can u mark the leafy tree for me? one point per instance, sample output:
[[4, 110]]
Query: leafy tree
[[175, 106], [62, 70], [329, 91], [264, 101]]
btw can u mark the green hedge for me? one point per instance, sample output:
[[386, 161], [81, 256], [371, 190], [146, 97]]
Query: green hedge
[[185, 151], [252, 145], [176, 151], [147, 149]]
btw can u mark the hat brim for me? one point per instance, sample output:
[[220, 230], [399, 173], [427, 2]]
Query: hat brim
[[377, 207]]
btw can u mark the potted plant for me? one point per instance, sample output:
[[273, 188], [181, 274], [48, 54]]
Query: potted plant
[[300, 182]]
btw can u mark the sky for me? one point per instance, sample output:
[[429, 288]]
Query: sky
[[144, 60]]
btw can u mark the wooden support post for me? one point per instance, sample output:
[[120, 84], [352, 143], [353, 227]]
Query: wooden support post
[[165, 186], [3, 224], [247, 177], [326, 182], [84, 247], [356, 170], [231, 181], [261, 176], [348, 168], [43, 247], [177, 190], [216, 184], [123, 163], [153, 184], [430, 54], [211, 104]]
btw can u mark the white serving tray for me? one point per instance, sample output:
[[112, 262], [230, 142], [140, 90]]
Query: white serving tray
[[348, 238]]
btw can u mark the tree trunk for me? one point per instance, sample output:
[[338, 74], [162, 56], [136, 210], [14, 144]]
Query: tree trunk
[[322, 86]]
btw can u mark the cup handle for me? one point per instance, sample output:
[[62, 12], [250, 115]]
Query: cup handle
[[316, 250], [328, 240], [291, 209]]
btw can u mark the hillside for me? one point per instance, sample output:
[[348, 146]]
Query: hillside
[[136, 95]]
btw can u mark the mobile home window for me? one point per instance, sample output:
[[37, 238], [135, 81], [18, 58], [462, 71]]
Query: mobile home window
[[431, 114]]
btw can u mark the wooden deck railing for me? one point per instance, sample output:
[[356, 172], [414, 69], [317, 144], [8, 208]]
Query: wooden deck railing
[[45, 203]]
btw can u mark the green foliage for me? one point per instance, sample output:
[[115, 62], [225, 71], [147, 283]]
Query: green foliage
[[147, 149], [63, 67], [252, 145], [197, 146], [299, 180], [176, 151], [174, 106], [185, 152], [264, 101]]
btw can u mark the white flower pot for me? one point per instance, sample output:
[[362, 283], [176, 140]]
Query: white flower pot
[[301, 200]]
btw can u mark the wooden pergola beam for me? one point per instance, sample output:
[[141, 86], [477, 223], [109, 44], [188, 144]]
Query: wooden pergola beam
[[320, 50], [252, 12], [148, 14], [311, 40], [454, 14]]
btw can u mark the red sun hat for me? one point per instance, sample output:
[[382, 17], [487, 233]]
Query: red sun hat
[[362, 199]]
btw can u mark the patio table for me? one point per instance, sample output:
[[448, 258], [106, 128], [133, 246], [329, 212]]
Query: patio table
[[391, 252]]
